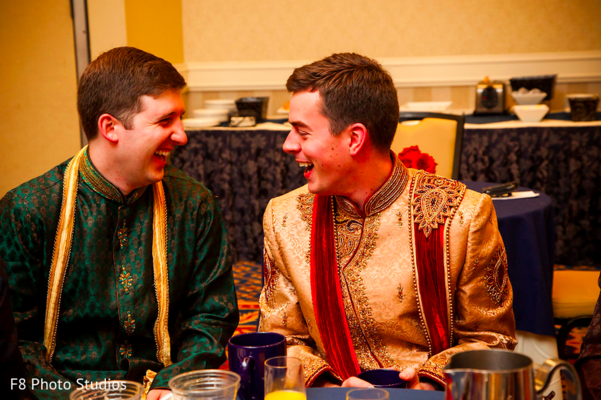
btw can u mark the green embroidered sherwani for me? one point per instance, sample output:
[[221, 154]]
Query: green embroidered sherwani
[[108, 305]]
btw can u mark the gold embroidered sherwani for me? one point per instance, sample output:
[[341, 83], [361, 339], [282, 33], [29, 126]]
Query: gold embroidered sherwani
[[377, 272]]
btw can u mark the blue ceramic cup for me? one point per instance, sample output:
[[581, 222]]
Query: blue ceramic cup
[[383, 378], [247, 354]]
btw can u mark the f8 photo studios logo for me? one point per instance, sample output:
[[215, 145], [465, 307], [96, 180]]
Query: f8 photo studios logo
[[64, 385]]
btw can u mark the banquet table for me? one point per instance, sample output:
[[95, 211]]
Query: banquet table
[[245, 168], [526, 226], [556, 156]]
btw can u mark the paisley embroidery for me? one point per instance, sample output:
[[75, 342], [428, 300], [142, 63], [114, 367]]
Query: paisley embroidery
[[495, 277], [435, 198], [267, 300], [348, 237]]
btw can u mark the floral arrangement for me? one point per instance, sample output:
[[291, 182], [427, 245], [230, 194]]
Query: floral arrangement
[[412, 157]]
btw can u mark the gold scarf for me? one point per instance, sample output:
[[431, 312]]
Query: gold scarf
[[62, 249]]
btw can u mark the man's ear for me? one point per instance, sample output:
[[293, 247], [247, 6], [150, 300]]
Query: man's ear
[[108, 127], [358, 136]]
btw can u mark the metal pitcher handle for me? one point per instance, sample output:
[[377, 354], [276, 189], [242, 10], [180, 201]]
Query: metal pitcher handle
[[544, 373]]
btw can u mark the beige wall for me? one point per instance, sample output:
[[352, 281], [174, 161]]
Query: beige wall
[[282, 30], [156, 26], [39, 125], [106, 25], [233, 30]]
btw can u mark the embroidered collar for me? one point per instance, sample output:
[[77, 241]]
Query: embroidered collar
[[93, 178], [383, 197]]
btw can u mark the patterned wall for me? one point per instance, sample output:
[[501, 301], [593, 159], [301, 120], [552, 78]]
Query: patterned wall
[[234, 30]]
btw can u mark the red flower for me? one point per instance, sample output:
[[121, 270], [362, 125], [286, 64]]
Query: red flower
[[409, 156], [427, 163], [412, 157]]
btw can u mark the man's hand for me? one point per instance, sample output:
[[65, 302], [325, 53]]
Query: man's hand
[[156, 394], [353, 381], [410, 375]]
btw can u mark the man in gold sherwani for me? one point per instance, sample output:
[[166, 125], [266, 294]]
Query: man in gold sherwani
[[373, 265]]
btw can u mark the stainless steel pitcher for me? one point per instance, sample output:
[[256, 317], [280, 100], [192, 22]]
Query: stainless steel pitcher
[[503, 375]]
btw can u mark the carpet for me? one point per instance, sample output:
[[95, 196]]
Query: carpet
[[248, 280]]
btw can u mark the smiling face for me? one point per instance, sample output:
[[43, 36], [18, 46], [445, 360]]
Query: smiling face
[[141, 153], [325, 157]]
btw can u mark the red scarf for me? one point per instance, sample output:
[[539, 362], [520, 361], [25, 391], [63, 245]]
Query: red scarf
[[327, 293], [431, 275]]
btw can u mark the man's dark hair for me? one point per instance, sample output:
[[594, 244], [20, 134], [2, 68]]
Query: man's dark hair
[[114, 82], [354, 89]]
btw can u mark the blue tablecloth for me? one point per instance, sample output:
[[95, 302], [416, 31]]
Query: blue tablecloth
[[562, 161], [394, 394], [489, 119], [527, 228]]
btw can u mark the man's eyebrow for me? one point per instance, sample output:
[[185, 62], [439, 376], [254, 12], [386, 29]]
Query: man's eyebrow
[[169, 114], [298, 124]]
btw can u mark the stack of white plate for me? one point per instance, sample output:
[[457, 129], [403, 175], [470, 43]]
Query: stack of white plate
[[197, 123], [222, 114], [221, 104]]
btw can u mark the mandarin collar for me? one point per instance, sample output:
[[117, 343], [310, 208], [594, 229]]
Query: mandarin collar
[[383, 197], [93, 178]]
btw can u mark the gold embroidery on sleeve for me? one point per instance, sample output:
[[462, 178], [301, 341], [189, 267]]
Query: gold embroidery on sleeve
[[267, 300], [495, 277]]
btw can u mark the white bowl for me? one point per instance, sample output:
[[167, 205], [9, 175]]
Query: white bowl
[[528, 98], [531, 113], [222, 114], [195, 123], [429, 106]]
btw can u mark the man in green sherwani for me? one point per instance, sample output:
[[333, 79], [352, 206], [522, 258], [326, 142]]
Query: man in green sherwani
[[119, 264]]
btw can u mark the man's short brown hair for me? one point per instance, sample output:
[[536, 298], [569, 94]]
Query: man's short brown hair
[[354, 89], [114, 82]]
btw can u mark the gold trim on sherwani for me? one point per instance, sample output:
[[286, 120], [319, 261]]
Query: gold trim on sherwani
[[62, 247], [60, 255], [161, 278], [376, 272]]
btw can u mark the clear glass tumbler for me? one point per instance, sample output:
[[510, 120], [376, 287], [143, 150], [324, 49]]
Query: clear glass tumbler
[[108, 390], [284, 379], [208, 384]]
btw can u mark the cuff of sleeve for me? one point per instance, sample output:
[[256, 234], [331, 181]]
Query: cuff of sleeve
[[431, 372], [437, 386], [312, 372]]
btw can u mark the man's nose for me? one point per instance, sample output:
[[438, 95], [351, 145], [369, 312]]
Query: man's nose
[[179, 135], [291, 145]]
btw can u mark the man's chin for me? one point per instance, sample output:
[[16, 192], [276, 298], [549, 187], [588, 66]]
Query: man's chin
[[315, 189]]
